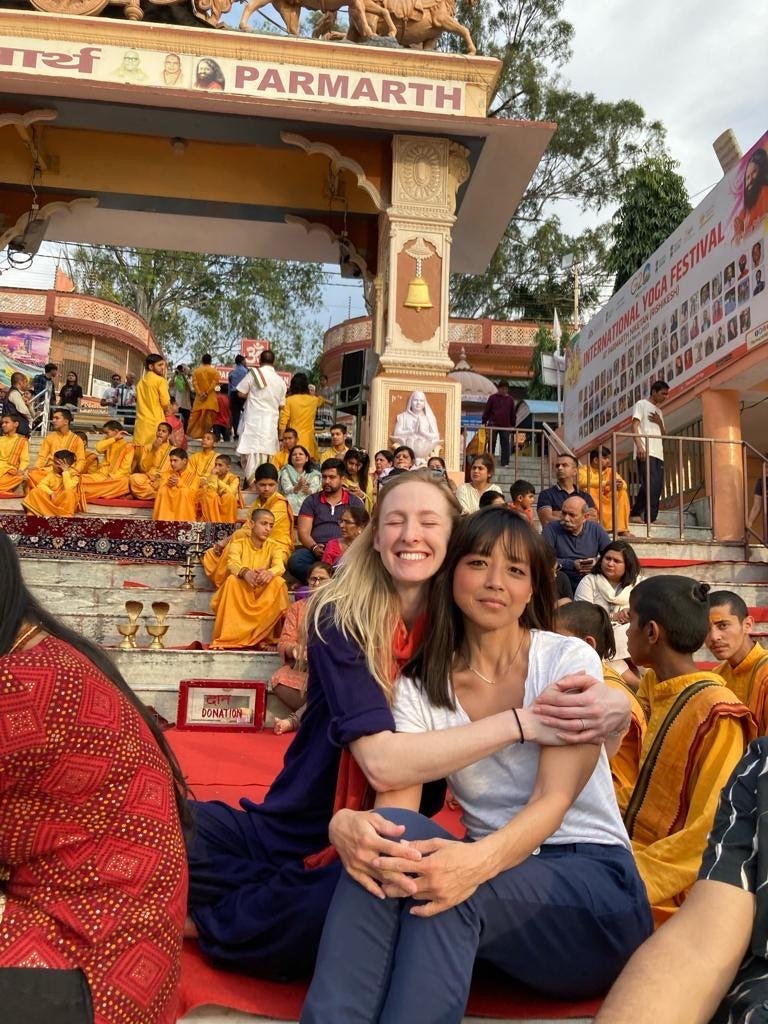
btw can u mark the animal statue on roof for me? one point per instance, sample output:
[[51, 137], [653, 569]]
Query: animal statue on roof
[[418, 24], [359, 13]]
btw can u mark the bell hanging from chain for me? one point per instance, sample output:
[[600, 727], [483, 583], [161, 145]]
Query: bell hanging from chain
[[417, 297]]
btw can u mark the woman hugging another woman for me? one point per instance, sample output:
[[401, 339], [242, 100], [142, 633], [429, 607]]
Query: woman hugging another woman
[[545, 887]]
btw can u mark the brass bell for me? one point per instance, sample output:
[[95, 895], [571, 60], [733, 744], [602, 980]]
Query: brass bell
[[417, 296]]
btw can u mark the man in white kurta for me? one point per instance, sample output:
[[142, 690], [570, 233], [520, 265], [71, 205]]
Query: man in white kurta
[[264, 393]]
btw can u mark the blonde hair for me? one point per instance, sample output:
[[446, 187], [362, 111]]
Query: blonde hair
[[361, 596]]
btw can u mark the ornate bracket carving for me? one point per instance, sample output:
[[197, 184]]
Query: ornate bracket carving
[[338, 160], [353, 256], [44, 213]]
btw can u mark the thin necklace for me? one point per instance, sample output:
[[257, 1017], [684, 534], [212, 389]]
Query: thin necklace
[[22, 638], [492, 682]]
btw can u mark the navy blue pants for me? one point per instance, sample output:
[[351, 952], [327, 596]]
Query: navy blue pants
[[564, 922]]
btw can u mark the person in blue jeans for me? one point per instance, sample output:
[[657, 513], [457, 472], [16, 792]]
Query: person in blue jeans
[[545, 887]]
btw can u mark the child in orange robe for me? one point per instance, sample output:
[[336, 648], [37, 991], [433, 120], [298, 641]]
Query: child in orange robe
[[14, 453], [251, 602], [220, 493], [153, 464], [176, 500], [58, 493], [111, 479]]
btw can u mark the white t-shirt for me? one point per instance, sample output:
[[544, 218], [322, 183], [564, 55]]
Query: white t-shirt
[[469, 497], [492, 791], [653, 443]]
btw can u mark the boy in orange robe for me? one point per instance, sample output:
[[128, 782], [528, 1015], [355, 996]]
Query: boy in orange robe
[[58, 493], [176, 500], [111, 479], [153, 463], [91, 458], [202, 462], [251, 602], [268, 497], [220, 493], [59, 439], [14, 453]]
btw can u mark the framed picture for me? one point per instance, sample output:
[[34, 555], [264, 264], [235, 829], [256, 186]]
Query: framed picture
[[221, 705]]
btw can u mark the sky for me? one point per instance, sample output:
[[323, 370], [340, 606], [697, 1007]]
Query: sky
[[699, 67], [678, 61]]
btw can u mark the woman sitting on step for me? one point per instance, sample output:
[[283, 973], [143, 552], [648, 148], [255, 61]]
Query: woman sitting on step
[[262, 877], [91, 848], [546, 887]]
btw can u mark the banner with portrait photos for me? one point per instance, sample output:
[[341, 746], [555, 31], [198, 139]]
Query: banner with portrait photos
[[698, 303]]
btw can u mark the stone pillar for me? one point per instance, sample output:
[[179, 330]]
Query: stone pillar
[[721, 419], [415, 246]]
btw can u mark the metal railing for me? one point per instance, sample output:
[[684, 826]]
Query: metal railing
[[690, 475]]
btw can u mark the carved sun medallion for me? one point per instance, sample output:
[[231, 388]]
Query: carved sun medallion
[[70, 6], [420, 172]]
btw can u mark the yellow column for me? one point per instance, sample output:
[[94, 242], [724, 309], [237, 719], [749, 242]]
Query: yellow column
[[412, 402], [721, 416]]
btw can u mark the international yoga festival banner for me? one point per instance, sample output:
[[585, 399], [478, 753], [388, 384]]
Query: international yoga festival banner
[[699, 302]]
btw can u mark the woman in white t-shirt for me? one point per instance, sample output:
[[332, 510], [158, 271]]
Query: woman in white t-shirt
[[546, 886]]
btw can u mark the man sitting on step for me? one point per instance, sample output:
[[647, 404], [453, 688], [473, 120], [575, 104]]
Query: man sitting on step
[[153, 464], [745, 668], [697, 731]]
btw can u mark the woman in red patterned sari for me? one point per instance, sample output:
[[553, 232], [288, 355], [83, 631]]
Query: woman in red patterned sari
[[93, 873]]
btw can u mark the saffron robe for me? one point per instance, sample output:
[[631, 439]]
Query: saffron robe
[[220, 499], [215, 563], [625, 763], [669, 818], [152, 399], [155, 467], [749, 681], [282, 531], [246, 615], [299, 413], [177, 502], [51, 444], [112, 478], [202, 464], [599, 486], [14, 459], [204, 383], [57, 494]]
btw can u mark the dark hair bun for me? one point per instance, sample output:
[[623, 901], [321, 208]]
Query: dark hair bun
[[700, 592]]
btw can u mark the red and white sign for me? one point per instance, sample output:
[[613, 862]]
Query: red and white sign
[[252, 349]]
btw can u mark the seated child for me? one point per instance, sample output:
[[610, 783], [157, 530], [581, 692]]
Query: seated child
[[289, 440], [697, 732], [252, 600], [153, 464], [219, 493], [491, 498], [58, 493], [202, 462], [175, 421], [14, 453], [111, 478], [289, 682], [176, 500], [91, 458], [591, 624], [522, 495]]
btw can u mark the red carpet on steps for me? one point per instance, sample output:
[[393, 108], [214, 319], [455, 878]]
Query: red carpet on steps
[[225, 769]]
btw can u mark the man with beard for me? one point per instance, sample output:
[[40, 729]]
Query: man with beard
[[209, 75], [755, 195], [319, 518], [551, 500]]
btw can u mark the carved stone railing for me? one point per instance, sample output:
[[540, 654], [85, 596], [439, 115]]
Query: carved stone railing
[[461, 333], [71, 311]]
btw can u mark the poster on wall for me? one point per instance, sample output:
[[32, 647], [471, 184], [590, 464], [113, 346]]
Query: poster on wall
[[698, 303], [27, 345]]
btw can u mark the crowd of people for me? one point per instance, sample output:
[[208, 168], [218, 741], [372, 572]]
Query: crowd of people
[[505, 645]]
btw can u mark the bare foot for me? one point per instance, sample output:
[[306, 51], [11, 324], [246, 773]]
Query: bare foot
[[284, 725]]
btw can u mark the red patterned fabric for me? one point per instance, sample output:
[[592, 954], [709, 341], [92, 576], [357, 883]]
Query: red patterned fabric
[[92, 857]]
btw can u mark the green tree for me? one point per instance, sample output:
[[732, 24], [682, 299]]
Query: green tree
[[198, 303], [655, 202], [595, 143]]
